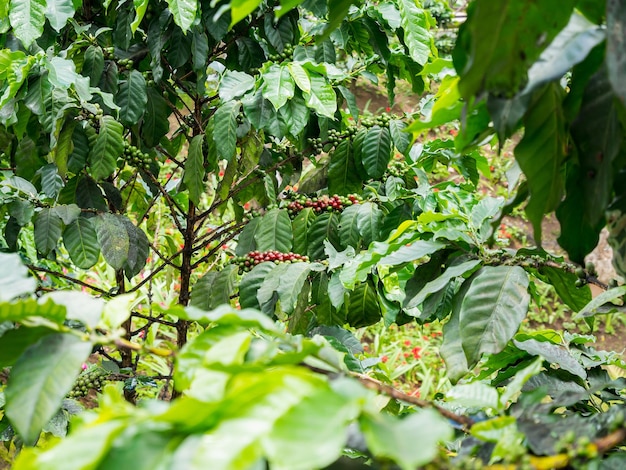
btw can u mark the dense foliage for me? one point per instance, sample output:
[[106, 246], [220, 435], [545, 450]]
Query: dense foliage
[[205, 169]]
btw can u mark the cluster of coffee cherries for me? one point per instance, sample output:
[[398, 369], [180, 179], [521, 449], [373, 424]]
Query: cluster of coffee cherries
[[108, 52], [334, 138], [287, 53], [127, 64], [135, 156], [381, 120], [397, 168], [320, 204], [92, 378], [249, 261], [92, 117], [589, 270]]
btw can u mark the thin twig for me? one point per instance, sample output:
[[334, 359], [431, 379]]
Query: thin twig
[[153, 320], [398, 395], [67, 278]]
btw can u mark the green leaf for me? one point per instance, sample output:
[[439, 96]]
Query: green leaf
[[362, 306], [239, 9], [522, 30], [81, 241], [606, 297], [401, 139], [541, 152], [376, 151], [564, 283], [27, 19], [108, 147], [274, 232], [393, 438], [325, 227], [349, 234], [287, 280], [214, 288], [184, 12], [138, 249], [452, 347], [343, 178], [235, 84], [442, 281], [351, 101], [300, 228], [369, 221], [278, 86], [410, 252], [616, 47], [48, 227], [250, 284], [113, 239], [300, 76], [322, 98], [492, 310], [154, 124], [132, 98], [417, 38], [193, 177], [554, 354], [17, 340], [225, 130], [245, 242], [39, 381], [14, 278], [58, 12], [140, 10]]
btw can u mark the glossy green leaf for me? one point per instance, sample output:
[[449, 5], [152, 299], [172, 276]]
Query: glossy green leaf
[[27, 19], [322, 98], [300, 228], [349, 234], [369, 221], [274, 232], [616, 47], [14, 278], [58, 12], [132, 98], [225, 130], [523, 30], [286, 281], [554, 354], [362, 306], [93, 65], [376, 151], [401, 139], [184, 12], [154, 124], [593, 306], [389, 437], [235, 84], [214, 288], [138, 248], [278, 86], [300, 76], [343, 178], [17, 340], [193, 177], [113, 239], [246, 242], [564, 284], [48, 228], [442, 281], [239, 9], [39, 381], [81, 241], [492, 310], [325, 227], [250, 284], [415, 23], [107, 149], [140, 10], [541, 152]]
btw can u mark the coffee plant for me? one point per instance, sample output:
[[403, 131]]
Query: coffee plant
[[203, 172]]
